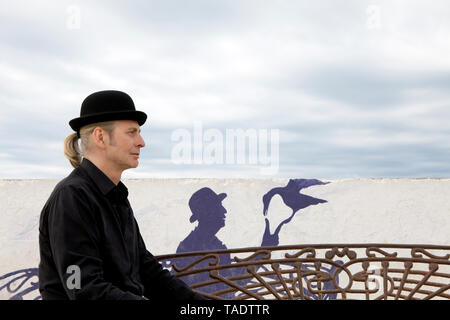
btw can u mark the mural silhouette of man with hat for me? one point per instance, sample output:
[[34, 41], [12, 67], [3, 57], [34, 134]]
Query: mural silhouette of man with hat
[[90, 243], [206, 207]]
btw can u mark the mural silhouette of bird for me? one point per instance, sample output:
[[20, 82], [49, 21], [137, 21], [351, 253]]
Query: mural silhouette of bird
[[291, 196]]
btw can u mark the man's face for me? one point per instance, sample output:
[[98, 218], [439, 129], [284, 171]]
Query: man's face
[[123, 147]]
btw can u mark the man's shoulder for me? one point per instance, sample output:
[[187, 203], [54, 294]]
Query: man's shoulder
[[68, 192], [73, 181], [74, 184]]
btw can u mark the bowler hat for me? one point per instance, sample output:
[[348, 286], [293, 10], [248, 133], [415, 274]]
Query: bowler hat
[[107, 105], [203, 200]]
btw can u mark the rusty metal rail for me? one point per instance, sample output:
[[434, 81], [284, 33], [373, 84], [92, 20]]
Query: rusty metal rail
[[317, 272]]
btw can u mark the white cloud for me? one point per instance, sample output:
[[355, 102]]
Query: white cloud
[[316, 71]]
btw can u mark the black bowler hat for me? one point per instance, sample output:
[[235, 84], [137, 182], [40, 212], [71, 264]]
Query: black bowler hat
[[107, 105]]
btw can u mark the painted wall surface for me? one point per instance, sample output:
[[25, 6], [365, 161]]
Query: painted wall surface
[[177, 215]]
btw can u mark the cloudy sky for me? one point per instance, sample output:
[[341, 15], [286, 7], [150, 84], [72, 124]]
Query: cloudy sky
[[355, 88]]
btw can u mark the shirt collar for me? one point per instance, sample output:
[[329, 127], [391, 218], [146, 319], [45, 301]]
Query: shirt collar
[[102, 181]]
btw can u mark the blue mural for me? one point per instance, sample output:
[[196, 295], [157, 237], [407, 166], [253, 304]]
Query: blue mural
[[20, 283], [292, 198], [206, 208]]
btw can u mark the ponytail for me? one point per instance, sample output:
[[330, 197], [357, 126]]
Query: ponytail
[[75, 152], [72, 150]]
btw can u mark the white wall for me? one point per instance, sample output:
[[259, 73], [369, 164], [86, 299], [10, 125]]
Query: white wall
[[412, 211]]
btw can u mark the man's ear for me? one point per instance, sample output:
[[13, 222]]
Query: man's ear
[[99, 137]]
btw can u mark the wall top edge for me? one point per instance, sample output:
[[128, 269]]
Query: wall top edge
[[245, 179]]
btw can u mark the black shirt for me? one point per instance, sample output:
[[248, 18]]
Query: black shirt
[[87, 222]]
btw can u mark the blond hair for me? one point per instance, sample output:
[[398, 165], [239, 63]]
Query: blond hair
[[75, 152]]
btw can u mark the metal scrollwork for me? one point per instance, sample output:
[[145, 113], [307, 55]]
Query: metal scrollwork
[[215, 262], [340, 253], [319, 272], [265, 256], [312, 253], [312, 272], [370, 254], [415, 252]]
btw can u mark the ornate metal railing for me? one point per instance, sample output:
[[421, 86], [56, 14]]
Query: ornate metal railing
[[338, 271]]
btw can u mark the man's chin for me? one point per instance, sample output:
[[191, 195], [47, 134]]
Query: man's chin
[[131, 165], [135, 165]]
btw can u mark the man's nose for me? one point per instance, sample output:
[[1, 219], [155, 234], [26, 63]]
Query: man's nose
[[141, 142]]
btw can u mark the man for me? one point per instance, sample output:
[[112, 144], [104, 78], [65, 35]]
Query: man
[[90, 243]]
